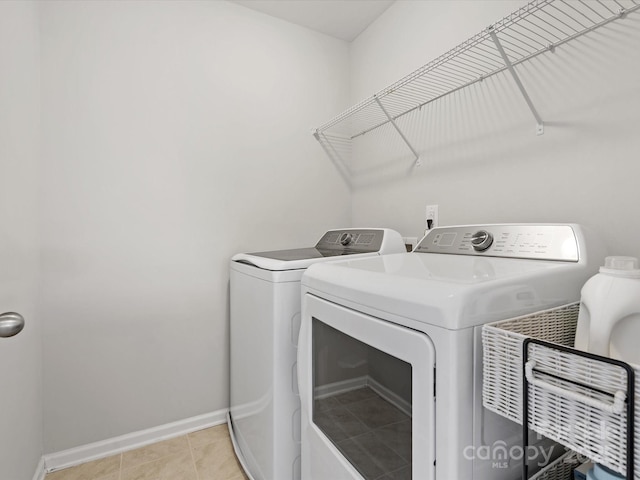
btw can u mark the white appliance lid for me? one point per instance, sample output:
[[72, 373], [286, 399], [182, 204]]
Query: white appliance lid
[[452, 290], [333, 244]]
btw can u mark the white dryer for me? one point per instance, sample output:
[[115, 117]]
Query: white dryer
[[264, 417], [389, 353]]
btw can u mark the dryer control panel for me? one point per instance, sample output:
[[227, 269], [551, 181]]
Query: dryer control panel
[[537, 242]]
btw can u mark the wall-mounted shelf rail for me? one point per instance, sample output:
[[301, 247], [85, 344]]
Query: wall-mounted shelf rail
[[538, 27]]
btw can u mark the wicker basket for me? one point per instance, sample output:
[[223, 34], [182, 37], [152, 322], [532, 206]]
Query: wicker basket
[[559, 408], [560, 469]]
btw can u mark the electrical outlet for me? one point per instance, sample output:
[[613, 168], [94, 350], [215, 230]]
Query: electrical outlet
[[410, 243], [431, 216]]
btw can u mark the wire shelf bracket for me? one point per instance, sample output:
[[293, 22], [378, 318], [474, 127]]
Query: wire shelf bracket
[[417, 162], [516, 78], [331, 148]]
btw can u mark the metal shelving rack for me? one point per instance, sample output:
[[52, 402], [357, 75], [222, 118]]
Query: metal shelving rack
[[538, 27]]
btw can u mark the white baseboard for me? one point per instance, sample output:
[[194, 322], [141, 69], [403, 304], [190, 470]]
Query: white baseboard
[[40, 471], [112, 446]]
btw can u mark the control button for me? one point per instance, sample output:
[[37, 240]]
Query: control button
[[365, 239], [346, 239], [481, 240]]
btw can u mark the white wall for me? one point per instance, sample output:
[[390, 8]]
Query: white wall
[[177, 133], [482, 160], [174, 135], [20, 356]]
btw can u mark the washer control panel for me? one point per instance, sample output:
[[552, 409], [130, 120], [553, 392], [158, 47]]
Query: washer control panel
[[357, 239], [539, 242]]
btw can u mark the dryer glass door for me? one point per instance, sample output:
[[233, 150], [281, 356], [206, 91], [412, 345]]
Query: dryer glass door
[[362, 402], [373, 393]]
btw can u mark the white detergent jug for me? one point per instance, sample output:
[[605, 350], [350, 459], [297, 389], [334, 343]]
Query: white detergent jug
[[609, 317]]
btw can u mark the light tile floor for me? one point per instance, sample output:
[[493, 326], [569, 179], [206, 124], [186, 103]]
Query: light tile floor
[[202, 455]]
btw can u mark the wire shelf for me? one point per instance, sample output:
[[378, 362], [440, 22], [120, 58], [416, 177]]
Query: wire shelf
[[538, 27]]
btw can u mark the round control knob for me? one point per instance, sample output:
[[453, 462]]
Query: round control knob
[[481, 240], [346, 238]]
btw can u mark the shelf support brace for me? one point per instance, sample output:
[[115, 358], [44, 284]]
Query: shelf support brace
[[418, 162], [334, 155], [516, 78]]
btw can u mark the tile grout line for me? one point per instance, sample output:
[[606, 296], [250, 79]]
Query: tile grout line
[[149, 462], [193, 458], [120, 470]]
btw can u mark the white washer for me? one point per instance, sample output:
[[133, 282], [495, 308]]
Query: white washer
[[389, 353], [264, 417]]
